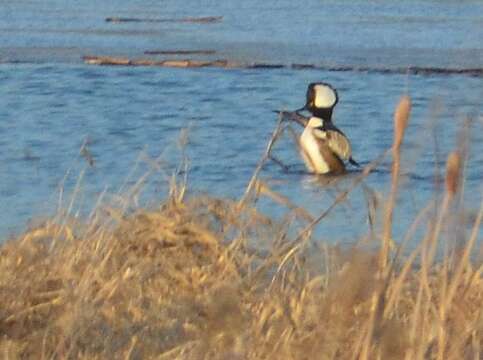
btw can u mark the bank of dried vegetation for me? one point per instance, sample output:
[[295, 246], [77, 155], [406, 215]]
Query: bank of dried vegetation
[[205, 278]]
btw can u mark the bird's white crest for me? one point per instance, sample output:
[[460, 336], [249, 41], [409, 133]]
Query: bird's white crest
[[325, 97], [315, 122]]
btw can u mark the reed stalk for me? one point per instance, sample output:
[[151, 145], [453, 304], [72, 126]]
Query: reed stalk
[[401, 119]]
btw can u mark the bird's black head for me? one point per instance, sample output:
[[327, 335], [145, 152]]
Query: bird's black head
[[321, 100]]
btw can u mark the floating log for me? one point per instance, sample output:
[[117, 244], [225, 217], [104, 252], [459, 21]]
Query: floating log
[[224, 63], [200, 20], [180, 52], [176, 63], [106, 60], [181, 63]]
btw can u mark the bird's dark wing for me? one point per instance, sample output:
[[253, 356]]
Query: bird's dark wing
[[331, 157], [340, 142], [336, 165]]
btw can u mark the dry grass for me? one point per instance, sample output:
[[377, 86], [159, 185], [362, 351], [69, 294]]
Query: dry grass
[[205, 278]]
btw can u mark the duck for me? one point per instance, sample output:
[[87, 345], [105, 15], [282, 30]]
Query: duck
[[323, 147]]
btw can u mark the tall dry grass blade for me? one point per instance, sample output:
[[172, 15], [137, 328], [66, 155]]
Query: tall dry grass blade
[[397, 285], [60, 200], [464, 261], [368, 342], [302, 213], [401, 119], [341, 196], [453, 169], [453, 172], [86, 153], [266, 155]]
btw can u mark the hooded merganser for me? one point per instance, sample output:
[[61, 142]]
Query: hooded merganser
[[324, 148]]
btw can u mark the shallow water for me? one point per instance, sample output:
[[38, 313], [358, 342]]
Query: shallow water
[[51, 103]]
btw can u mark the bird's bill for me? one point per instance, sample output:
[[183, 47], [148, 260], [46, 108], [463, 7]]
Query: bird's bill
[[301, 109]]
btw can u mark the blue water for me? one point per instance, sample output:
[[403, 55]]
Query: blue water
[[51, 103]]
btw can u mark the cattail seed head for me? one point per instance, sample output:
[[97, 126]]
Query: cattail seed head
[[453, 169], [401, 118]]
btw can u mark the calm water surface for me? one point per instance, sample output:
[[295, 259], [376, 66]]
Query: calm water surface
[[51, 103]]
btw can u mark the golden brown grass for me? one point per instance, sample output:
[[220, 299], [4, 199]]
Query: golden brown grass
[[206, 278]]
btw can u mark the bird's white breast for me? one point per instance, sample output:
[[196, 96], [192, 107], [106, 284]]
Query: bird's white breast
[[311, 153]]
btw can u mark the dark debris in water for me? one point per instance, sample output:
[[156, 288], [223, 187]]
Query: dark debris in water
[[199, 20], [180, 52]]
